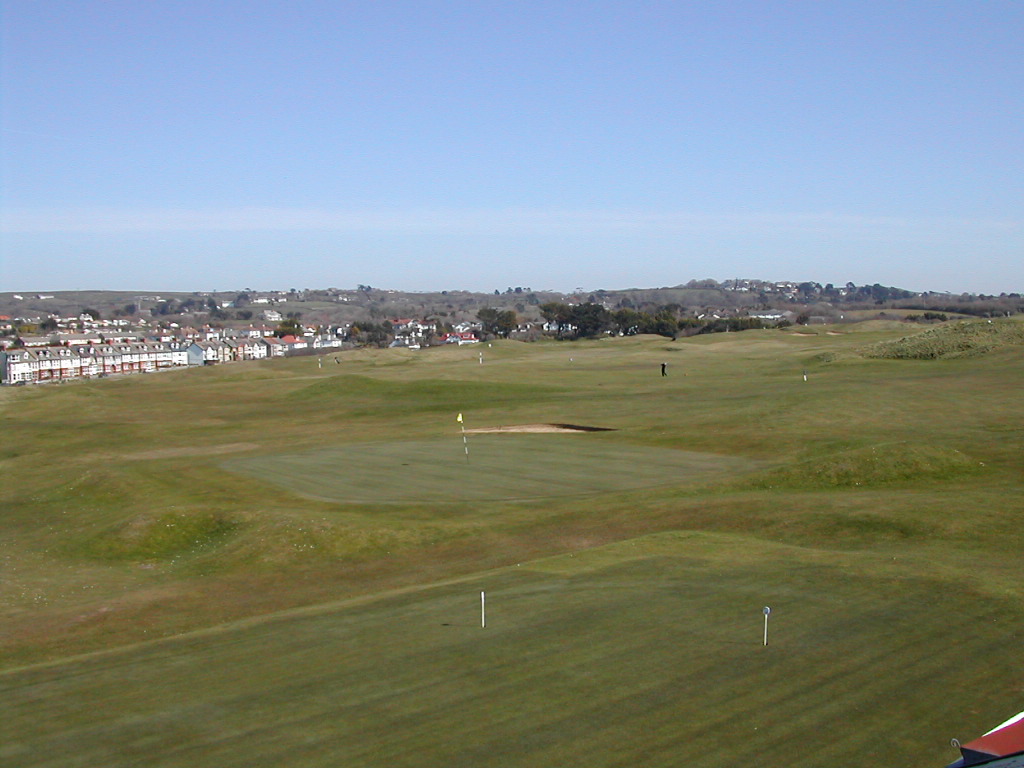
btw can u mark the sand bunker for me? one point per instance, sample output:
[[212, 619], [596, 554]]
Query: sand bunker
[[540, 428]]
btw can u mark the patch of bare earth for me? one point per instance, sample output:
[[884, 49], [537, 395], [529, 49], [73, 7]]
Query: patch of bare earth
[[212, 450], [540, 428]]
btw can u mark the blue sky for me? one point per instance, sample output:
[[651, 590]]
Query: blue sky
[[431, 145]]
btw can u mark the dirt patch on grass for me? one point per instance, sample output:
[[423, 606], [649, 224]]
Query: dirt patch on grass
[[210, 450], [540, 428]]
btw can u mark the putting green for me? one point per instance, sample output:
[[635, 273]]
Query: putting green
[[498, 467]]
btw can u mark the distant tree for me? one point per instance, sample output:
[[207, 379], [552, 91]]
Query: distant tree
[[497, 322], [94, 314], [807, 290], [589, 319], [127, 310], [371, 334], [706, 283], [49, 325], [168, 307], [486, 317], [290, 326], [664, 323], [731, 324], [555, 312], [627, 322]]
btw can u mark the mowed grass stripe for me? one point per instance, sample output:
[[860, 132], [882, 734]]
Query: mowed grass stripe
[[499, 467], [656, 659]]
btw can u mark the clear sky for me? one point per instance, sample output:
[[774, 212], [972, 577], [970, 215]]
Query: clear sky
[[480, 145]]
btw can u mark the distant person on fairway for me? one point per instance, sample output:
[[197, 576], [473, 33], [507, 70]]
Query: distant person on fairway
[[664, 369]]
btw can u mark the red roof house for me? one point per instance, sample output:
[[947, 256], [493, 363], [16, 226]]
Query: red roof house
[[1002, 747]]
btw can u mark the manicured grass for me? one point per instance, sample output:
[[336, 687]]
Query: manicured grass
[[280, 564], [502, 467], [650, 650]]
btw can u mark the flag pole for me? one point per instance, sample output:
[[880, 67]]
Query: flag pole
[[465, 443]]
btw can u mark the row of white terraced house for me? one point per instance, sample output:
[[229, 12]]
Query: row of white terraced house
[[30, 366], [44, 364]]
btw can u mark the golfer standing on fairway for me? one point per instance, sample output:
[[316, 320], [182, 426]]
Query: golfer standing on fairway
[[664, 369]]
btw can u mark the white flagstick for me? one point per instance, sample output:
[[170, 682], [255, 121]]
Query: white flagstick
[[767, 611], [465, 443], [483, 610]]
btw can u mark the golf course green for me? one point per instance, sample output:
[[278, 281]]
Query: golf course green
[[285, 564]]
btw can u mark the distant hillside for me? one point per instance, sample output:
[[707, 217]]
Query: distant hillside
[[334, 306]]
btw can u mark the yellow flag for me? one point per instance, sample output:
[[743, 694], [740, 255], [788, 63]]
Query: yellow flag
[[459, 419]]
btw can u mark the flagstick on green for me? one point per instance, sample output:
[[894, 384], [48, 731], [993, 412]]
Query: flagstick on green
[[465, 442]]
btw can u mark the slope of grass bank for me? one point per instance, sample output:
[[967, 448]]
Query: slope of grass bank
[[962, 339], [330, 518]]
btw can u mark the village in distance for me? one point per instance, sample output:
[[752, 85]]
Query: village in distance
[[65, 335]]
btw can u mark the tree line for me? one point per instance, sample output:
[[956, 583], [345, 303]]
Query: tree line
[[589, 320]]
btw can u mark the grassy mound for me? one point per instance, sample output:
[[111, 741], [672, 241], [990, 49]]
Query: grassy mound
[[161, 537], [871, 466], [950, 341]]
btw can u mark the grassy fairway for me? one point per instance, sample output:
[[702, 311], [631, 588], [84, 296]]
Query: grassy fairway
[[280, 564], [647, 651], [498, 468]]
